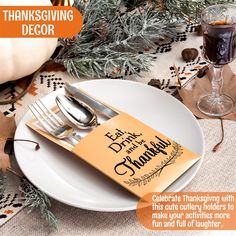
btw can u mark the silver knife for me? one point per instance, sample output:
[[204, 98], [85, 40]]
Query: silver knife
[[93, 103]]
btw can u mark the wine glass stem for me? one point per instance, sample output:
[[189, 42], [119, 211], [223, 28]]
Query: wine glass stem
[[217, 81]]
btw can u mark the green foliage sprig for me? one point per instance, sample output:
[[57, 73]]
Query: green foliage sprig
[[36, 199], [110, 39], [189, 11], [112, 35]]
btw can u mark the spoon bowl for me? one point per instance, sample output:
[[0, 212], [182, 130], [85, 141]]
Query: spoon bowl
[[77, 112]]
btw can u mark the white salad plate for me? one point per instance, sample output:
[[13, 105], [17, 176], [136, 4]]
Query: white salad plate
[[70, 180]]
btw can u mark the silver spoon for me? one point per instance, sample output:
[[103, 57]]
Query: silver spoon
[[77, 112]]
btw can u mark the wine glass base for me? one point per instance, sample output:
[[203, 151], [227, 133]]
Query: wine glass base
[[215, 107]]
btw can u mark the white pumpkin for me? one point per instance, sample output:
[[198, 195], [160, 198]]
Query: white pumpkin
[[23, 56]]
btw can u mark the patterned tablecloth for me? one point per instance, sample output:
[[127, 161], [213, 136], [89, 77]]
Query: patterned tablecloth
[[217, 172]]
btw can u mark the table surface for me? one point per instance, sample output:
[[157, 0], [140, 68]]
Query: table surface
[[217, 172]]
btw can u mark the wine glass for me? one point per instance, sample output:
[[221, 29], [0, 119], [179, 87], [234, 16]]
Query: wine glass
[[219, 48]]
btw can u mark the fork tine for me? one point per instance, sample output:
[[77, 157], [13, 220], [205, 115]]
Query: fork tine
[[43, 115], [38, 116], [47, 116], [56, 117]]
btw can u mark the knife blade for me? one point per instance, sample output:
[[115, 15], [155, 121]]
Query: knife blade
[[90, 101]]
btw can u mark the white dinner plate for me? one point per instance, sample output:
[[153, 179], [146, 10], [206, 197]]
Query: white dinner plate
[[65, 177]]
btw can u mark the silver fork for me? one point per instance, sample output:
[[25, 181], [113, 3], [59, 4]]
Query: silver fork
[[52, 123]]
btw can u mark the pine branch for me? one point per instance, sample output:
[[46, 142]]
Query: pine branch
[[34, 198], [109, 41], [189, 11], [133, 30], [106, 62], [80, 5], [111, 38]]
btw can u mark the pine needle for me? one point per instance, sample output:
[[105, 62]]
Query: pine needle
[[36, 199], [111, 37]]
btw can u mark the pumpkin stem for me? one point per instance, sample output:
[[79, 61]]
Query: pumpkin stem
[[61, 2]]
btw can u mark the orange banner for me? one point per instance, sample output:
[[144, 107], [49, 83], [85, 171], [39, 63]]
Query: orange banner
[[188, 211], [39, 22]]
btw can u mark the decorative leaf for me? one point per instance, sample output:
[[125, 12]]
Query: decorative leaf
[[51, 66], [7, 130], [7, 126], [4, 158]]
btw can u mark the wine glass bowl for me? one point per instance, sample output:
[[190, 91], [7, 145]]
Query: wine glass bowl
[[219, 48]]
